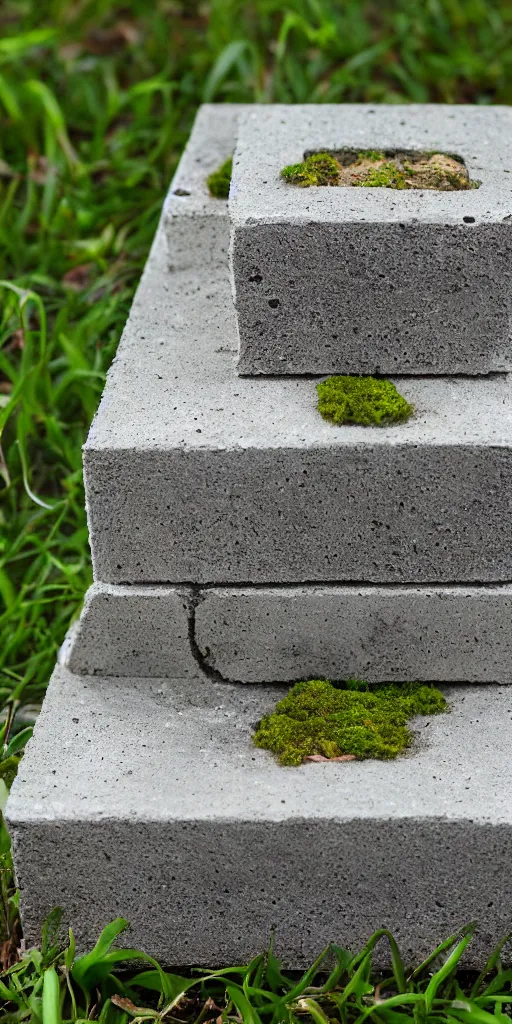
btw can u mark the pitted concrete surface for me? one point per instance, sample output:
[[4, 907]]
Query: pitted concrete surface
[[147, 799], [196, 475], [443, 634], [282, 634], [270, 136], [369, 280], [132, 631]]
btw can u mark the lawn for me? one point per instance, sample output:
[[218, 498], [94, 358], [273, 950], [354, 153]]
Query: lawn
[[97, 98]]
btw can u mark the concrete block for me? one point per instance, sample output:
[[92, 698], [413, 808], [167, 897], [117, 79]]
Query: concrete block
[[194, 474], [132, 631], [279, 634], [372, 280], [195, 223], [204, 843]]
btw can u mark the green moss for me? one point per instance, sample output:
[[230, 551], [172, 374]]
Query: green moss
[[219, 181], [317, 169], [387, 175], [319, 718], [370, 154], [370, 168], [363, 400]]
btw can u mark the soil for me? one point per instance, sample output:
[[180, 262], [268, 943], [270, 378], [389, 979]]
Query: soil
[[426, 171]]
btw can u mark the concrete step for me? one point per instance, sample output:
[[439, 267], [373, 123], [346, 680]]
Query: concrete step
[[196, 475], [372, 280], [282, 634], [147, 799]]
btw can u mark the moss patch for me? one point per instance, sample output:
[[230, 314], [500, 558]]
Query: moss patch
[[219, 181], [382, 174], [317, 718], [364, 400], [318, 169], [373, 169]]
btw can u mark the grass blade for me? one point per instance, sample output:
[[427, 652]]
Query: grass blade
[[444, 972], [442, 948], [51, 997], [491, 964], [247, 1012]]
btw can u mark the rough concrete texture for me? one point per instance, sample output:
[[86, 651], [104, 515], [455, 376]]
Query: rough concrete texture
[[148, 800], [132, 631], [195, 223], [368, 280], [279, 634], [196, 475]]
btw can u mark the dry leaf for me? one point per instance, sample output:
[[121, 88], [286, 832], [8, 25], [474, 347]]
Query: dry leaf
[[105, 41], [16, 341], [39, 169], [79, 277], [129, 1007], [320, 758], [70, 51], [6, 171]]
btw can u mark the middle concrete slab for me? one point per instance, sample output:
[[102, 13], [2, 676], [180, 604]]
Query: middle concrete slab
[[196, 475]]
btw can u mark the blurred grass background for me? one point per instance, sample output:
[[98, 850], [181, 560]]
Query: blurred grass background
[[96, 100]]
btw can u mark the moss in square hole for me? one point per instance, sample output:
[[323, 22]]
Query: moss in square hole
[[375, 169]]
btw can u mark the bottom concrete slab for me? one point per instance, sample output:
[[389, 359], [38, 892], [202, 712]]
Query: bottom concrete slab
[[147, 799]]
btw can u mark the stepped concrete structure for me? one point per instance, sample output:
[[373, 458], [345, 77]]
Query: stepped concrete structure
[[241, 543]]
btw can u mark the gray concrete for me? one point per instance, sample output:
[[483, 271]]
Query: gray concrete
[[445, 634], [149, 800], [194, 474], [195, 223], [281, 634], [367, 280], [132, 631]]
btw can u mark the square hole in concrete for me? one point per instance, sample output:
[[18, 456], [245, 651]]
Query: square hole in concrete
[[371, 168]]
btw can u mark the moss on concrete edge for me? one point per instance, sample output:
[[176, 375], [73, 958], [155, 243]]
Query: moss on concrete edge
[[219, 181], [317, 169], [317, 718]]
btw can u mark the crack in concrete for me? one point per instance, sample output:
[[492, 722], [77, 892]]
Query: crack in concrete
[[194, 596]]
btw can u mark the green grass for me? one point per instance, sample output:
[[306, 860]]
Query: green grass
[[52, 985], [96, 100]]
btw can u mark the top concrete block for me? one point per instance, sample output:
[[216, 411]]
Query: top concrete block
[[368, 280]]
